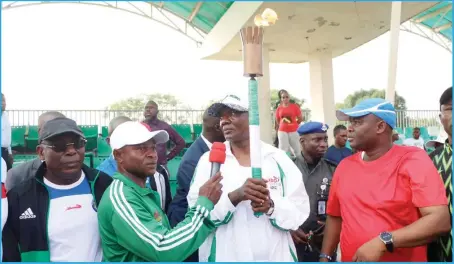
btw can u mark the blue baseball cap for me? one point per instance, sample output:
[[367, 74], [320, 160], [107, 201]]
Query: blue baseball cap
[[376, 106], [312, 127]]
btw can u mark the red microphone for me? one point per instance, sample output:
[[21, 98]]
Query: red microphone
[[217, 157]]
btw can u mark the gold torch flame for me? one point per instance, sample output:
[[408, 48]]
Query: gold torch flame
[[267, 18]]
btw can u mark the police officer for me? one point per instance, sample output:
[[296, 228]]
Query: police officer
[[317, 174]]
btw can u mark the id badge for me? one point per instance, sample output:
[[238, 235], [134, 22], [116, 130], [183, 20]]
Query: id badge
[[321, 207]]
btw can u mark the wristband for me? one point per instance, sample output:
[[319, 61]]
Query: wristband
[[322, 255]]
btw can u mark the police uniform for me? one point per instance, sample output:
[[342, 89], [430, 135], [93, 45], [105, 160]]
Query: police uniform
[[313, 176]]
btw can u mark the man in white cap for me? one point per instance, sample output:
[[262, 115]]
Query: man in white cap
[[132, 225], [280, 195]]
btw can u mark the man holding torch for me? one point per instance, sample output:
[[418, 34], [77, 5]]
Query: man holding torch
[[278, 195]]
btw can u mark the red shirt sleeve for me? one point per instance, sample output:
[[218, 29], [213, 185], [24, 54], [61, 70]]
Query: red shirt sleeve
[[333, 207], [277, 113], [426, 184]]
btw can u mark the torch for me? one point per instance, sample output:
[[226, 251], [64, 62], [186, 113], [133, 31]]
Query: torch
[[252, 39]]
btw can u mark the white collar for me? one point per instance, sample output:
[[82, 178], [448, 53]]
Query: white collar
[[209, 144]]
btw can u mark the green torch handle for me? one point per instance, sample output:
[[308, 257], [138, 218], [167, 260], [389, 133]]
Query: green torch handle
[[254, 132]]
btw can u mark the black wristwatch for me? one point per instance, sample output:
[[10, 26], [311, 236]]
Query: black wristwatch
[[387, 238]]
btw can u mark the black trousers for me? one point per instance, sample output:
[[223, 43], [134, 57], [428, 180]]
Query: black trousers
[[5, 156]]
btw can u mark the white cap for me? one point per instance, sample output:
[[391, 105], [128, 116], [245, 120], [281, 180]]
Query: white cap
[[233, 102], [440, 139], [134, 133]]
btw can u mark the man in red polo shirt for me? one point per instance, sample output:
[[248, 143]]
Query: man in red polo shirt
[[387, 201]]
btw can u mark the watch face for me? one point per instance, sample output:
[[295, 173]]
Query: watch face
[[386, 237]]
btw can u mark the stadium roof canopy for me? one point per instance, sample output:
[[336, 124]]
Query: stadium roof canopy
[[306, 26]]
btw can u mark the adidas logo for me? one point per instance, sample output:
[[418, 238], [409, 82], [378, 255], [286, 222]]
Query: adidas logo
[[28, 214]]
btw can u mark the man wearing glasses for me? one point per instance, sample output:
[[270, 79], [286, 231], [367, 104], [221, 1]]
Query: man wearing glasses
[[28, 169], [53, 216]]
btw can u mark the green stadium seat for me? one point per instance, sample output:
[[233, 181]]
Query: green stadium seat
[[104, 131], [400, 130], [98, 160], [425, 133], [18, 136], [408, 132], [31, 138], [104, 149], [197, 130], [19, 159], [400, 141], [91, 134], [172, 166], [185, 132]]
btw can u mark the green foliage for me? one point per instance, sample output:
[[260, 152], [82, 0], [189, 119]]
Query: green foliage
[[358, 96], [168, 104]]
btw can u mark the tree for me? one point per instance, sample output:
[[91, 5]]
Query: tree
[[360, 95], [275, 99], [172, 110]]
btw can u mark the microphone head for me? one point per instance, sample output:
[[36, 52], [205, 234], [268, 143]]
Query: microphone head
[[218, 145], [217, 155]]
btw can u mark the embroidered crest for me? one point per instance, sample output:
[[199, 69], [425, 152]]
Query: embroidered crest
[[157, 216], [273, 182]]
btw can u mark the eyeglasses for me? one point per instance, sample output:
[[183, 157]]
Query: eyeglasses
[[231, 114], [62, 146]]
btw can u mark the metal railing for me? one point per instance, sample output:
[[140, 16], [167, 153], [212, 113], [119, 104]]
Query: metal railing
[[409, 118]]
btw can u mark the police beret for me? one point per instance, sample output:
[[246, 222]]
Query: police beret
[[312, 127]]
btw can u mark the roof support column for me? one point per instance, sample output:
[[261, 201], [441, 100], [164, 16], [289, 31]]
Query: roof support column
[[322, 89], [396, 11], [264, 94]]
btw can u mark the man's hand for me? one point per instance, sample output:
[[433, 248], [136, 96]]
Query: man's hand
[[212, 189], [262, 208], [298, 236], [253, 189], [371, 251]]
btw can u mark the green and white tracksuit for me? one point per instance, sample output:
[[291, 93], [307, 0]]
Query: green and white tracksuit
[[240, 236], [134, 228]]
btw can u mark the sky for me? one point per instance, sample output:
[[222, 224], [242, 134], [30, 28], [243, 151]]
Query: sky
[[72, 56]]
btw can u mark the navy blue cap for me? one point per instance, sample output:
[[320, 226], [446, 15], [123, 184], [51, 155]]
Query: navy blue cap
[[312, 127], [376, 106]]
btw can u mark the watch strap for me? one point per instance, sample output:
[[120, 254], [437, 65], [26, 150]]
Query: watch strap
[[271, 210], [323, 255]]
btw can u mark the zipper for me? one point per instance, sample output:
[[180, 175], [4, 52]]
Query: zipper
[[47, 215]]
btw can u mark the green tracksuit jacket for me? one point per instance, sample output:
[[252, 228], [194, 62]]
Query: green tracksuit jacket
[[134, 228]]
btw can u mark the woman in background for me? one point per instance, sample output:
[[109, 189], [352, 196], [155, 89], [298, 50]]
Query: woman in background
[[288, 118]]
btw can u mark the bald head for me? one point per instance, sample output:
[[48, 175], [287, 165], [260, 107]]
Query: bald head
[[211, 129], [114, 123], [47, 116]]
